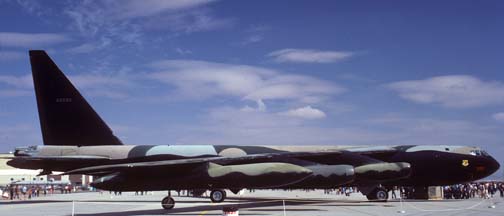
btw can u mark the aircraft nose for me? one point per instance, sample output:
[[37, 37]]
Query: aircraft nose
[[487, 166], [493, 165]]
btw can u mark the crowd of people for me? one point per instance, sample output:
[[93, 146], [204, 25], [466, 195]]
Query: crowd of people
[[485, 190], [24, 192]]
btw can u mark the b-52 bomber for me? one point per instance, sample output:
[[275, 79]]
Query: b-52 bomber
[[77, 141]]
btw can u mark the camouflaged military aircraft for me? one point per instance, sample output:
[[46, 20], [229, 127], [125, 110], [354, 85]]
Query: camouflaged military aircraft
[[77, 141]]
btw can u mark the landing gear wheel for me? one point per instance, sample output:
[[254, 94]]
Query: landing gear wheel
[[168, 203], [218, 196], [378, 194]]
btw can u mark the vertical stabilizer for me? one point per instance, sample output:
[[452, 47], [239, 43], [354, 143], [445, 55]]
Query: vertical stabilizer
[[66, 118]]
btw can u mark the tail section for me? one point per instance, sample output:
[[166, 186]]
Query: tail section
[[66, 118]]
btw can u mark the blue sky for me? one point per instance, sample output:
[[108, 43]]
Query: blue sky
[[265, 72]]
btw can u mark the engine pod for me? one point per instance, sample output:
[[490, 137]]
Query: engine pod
[[257, 175], [327, 176], [383, 171], [112, 182]]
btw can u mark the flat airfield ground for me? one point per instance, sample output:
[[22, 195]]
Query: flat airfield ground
[[266, 202]]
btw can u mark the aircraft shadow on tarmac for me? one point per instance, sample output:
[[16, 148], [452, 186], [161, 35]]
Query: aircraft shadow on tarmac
[[243, 203]]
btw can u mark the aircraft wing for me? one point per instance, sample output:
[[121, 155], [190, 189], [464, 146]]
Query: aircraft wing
[[193, 162], [375, 152], [371, 149]]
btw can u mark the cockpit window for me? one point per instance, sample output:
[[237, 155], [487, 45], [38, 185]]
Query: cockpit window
[[477, 152]]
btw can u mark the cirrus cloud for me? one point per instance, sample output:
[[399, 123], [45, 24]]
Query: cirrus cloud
[[306, 112], [17, 39], [459, 91], [203, 79], [309, 55], [133, 8], [499, 116], [10, 55]]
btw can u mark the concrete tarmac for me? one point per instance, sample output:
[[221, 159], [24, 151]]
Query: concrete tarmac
[[266, 202]]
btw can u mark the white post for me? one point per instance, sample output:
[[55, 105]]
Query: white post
[[284, 207], [400, 200], [492, 203], [73, 207]]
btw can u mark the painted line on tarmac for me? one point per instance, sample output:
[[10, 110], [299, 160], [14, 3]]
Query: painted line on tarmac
[[444, 210]]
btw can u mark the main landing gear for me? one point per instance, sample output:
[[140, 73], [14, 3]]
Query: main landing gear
[[218, 196], [168, 202], [379, 194]]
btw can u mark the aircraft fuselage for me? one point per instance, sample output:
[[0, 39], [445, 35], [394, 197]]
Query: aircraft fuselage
[[430, 165]]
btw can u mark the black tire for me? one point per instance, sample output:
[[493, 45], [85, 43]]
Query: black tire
[[378, 195], [218, 196], [381, 194], [168, 203]]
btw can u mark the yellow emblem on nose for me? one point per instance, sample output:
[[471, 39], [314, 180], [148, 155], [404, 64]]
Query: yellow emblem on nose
[[465, 163]]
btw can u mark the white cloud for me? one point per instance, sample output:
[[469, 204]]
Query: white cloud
[[97, 80], [182, 51], [436, 131], [17, 86], [24, 81], [11, 55], [240, 127], [34, 7], [309, 55], [258, 28], [306, 112], [126, 21], [499, 116], [90, 47], [255, 34], [101, 85], [252, 39], [84, 48], [202, 79], [459, 91], [191, 21], [133, 9], [261, 107], [31, 40], [115, 86], [21, 134], [15, 93]]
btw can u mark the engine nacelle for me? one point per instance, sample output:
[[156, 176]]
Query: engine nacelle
[[112, 182], [258, 175], [327, 176], [383, 171]]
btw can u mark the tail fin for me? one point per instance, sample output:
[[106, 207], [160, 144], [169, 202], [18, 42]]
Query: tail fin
[[66, 118]]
